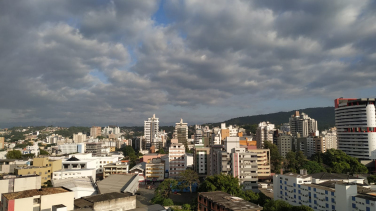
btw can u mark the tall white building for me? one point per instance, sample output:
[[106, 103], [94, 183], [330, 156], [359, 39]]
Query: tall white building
[[151, 127], [356, 127], [330, 137], [302, 124], [111, 130], [68, 148], [79, 138], [264, 132]]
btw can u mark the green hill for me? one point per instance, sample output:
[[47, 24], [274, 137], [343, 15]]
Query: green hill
[[323, 115]]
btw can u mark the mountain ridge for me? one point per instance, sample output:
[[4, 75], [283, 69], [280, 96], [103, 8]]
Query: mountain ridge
[[323, 115]]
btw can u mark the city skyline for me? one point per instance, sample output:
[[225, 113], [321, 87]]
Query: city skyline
[[103, 62]]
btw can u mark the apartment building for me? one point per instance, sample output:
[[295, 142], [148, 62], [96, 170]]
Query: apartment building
[[176, 159], [1, 142], [94, 148], [38, 199], [244, 166], [68, 148], [221, 201], [7, 166], [299, 190], [154, 171], [42, 167], [330, 137], [115, 168], [79, 138], [201, 160], [302, 124], [95, 131], [151, 127], [181, 132], [356, 127], [284, 144], [264, 132], [215, 159], [263, 162]]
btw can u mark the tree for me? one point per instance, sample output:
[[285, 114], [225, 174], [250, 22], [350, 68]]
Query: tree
[[187, 178], [162, 151], [371, 179], [164, 190], [43, 152], [279, 205], [100, 137], [336, 161], [14, 154], [313, 167], [221, 182], [128, 151], [275, 157]]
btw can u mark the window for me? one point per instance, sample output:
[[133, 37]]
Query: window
[[36, 201], [353, 198], [368, 209], [332, 193], [353, 205], [367, 201]]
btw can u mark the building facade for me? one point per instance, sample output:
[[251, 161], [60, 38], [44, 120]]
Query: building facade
[[154, 171], [115, 168], [176, 159], [356, 127], [201, 160], [181, 132], [264, 132], [284, 144], [151, 127], [221, 201], [95, 131], [302, 124]]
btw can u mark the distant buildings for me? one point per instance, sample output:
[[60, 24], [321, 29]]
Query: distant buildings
[[356, 127], [1, 142], [264, 132], [95, 131], [284, 144], [67, 148], [79, 138], [301, 125], [330, 137], [201, 160], [12, 183], [155, 170], [41, 166], [151, 128], [107, 202], [115, 168]]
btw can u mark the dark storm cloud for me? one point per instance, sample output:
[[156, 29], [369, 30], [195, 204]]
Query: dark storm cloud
[[100, 62]]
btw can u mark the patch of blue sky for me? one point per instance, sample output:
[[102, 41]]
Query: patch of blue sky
[[100, 75], [352, 60], [160, 16]]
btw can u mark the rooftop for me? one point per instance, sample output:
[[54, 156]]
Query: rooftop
[[369, 196], [71, 170], [34, 192], [88, 201], [232, 203], [116, 183], [74, 182], [297, 175], [332, 176]]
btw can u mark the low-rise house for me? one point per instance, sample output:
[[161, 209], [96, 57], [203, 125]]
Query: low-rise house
[[74, 173], [115, 168], [12, 183], [119, 183]]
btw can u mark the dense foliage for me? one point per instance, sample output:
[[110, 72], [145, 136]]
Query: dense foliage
[[43, 152], [279, 205], [275, 158], [336, 161], [163, 192], [371, 179], [129, 152], [297, 160], [72, 130], [14, 154]]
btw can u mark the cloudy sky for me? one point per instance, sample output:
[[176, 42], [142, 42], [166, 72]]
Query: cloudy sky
[[97, 62]]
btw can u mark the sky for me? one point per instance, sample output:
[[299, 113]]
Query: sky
[[97, 62]]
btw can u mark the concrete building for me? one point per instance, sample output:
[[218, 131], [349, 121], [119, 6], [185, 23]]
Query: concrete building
[[264, 132], [81, 147], [151, 127], [7, 166], [311, 145], [188, 158], [67, 148], [285, 128], [94, 148], [79, 138], [330, 137], [107, 202], [176, 159], [74, 173], [42, 167], [221, 201], [115, 168], [263, 162], [356, 127], [284, 144], [302, 124], [138, 169], [154, 171], [1, 142], [34, 149], [38, 199], [181, 132], [299, 189], [80, 186], [198, 133], [86, 160], [13, 183], [215, 159], [119, 183], [95, 131], [201, 161], [244, 166], [111, 130]]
